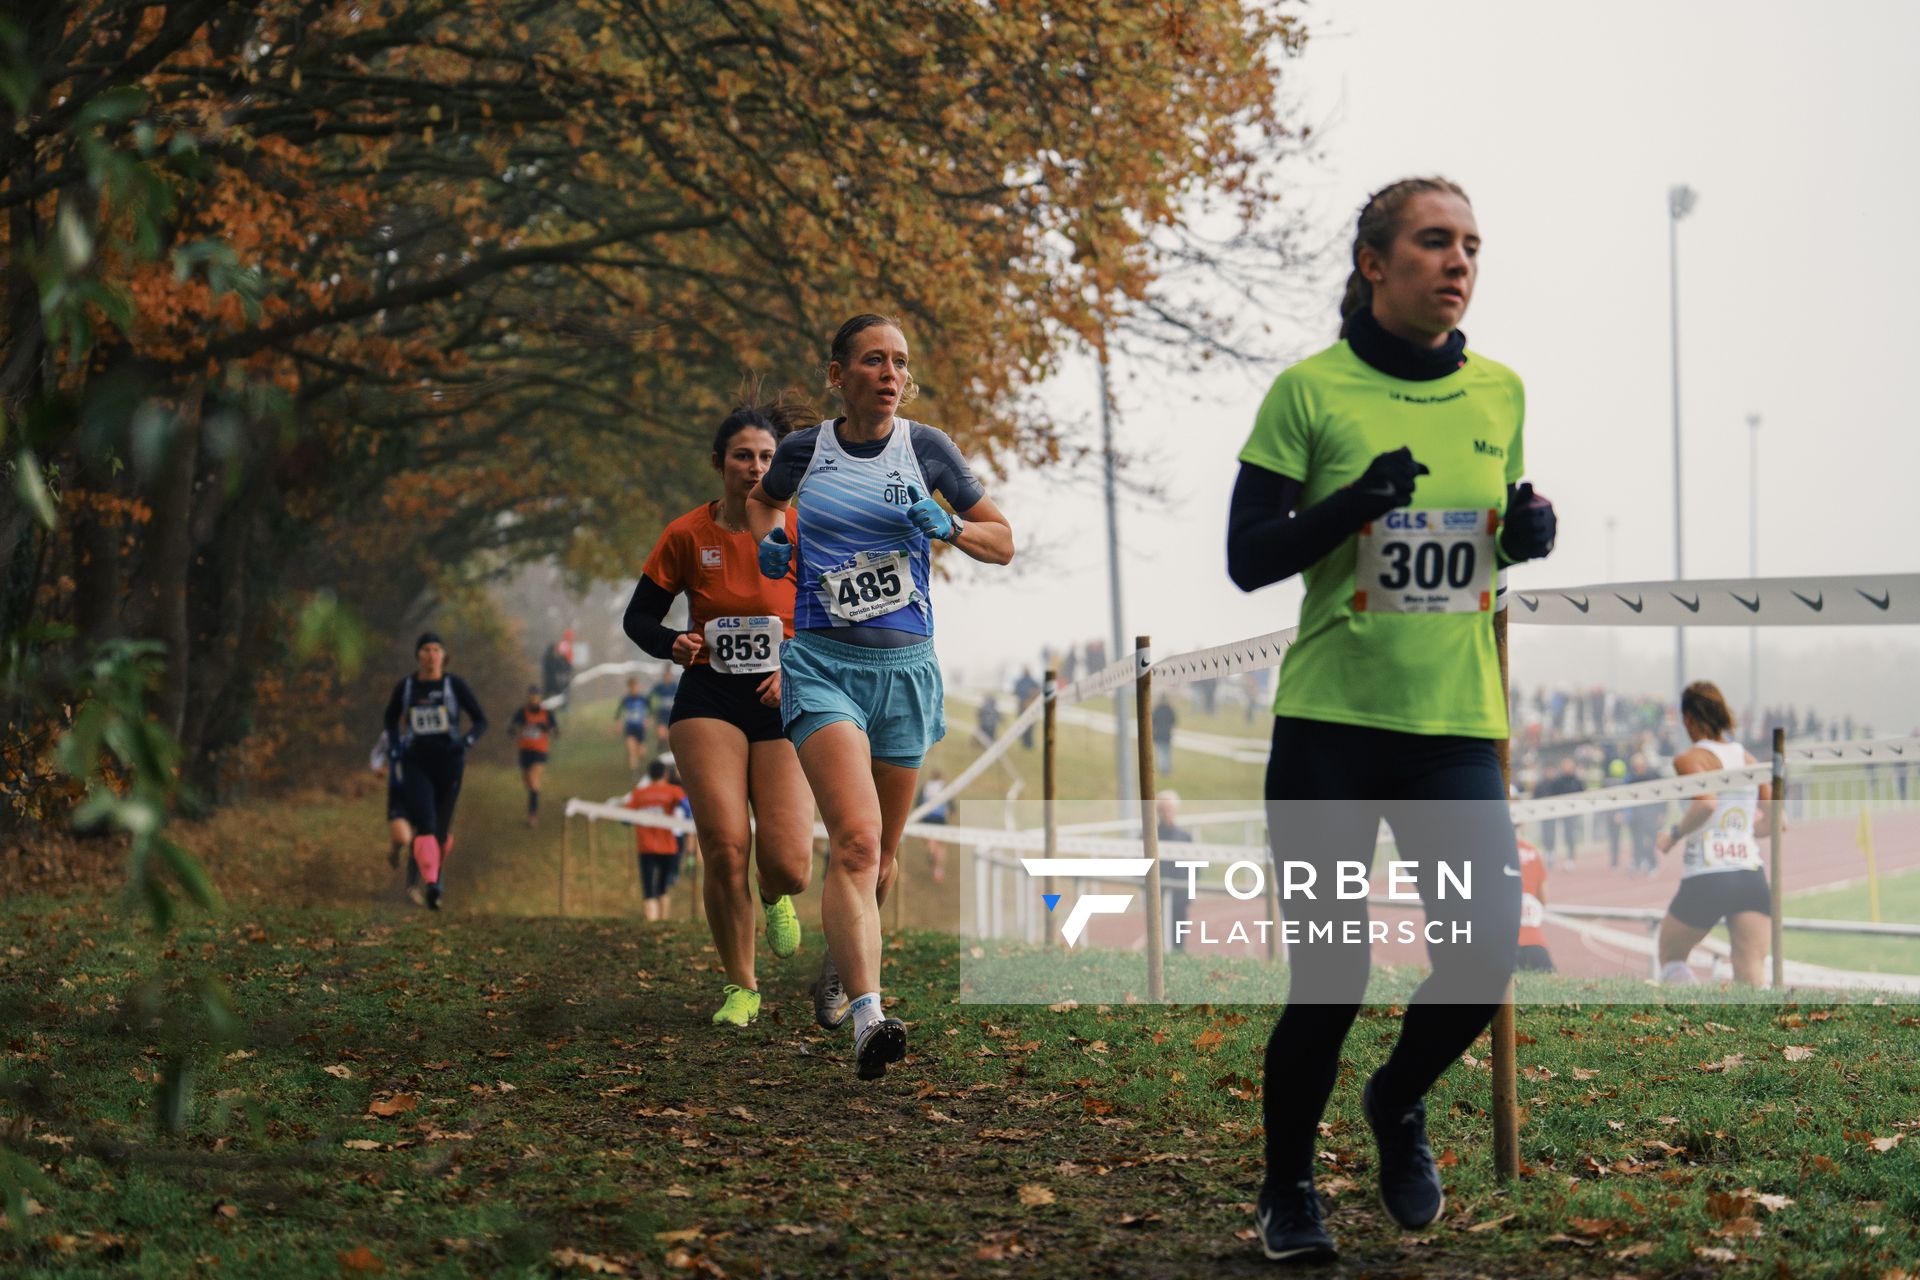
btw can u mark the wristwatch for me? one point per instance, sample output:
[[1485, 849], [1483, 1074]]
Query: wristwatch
[[958, 525]]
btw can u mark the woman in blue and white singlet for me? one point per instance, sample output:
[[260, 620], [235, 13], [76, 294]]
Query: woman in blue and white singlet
[[861, 696], [1721, 877]]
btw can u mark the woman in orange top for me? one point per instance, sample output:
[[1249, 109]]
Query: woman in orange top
[[725, 725]]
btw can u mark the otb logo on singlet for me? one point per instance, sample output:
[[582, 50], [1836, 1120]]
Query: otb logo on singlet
[[896, 490]]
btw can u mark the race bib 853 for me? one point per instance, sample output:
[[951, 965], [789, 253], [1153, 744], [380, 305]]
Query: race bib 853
[[744, 646]]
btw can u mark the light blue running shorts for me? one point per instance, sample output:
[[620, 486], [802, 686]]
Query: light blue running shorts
[[894, 696]]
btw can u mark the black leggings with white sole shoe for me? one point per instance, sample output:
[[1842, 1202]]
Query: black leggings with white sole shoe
[[1328, 788]]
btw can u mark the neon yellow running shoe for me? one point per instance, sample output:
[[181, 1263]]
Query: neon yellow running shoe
[[740, 1008], [783, 927]]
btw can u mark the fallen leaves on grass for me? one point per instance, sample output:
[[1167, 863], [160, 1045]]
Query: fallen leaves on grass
[[794, 1229], [1632, 1251], [1766, 1200], [1493, 1224], [363, 1144], [339, 1071], [361, 1261], [398, 1104], [678, 1192], [1886, 1144], [1727, 1063], [1598, 1228], [1209, 1040], [1724, 1206], [1033, 1195], [685, 1235], [1797, 1053], [1713, 1253], [591, 1263]]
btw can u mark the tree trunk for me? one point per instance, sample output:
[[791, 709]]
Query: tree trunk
[[168, 561]]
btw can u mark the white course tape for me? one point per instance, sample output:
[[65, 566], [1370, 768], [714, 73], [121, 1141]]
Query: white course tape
[[1659, 790], [1122, 671], [1225, 659], [594, 673], [614, 811], [939, 796], [1849, 600]]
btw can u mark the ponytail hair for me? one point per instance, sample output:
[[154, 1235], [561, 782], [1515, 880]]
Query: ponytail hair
[[1379, 224], [1706, 706], [776, 417]]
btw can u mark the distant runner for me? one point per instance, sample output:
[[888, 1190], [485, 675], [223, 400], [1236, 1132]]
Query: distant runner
[[534, 729], [423, 719]]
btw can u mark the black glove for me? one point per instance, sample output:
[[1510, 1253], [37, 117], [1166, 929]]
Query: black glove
[[1530, 525], [1386, 484]]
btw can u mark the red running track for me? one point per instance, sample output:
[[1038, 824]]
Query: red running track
[[1818, 855]]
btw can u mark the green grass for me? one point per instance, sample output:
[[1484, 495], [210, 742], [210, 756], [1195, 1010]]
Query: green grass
[[1899, 902], [561, 1102], [559, 1097]]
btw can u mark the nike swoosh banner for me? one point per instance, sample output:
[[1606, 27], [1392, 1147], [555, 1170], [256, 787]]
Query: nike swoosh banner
[[1848, 601]]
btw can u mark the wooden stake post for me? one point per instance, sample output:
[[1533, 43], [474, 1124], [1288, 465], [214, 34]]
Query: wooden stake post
[[1049, 783], [1506, 1085], [1776, 813], [593, 856], [1149, 825]]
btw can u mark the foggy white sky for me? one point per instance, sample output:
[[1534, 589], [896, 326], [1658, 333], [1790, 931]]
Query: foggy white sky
[[1566, 125]]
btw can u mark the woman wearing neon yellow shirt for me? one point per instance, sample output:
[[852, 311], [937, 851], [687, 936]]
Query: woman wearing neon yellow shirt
[[1386, 470]]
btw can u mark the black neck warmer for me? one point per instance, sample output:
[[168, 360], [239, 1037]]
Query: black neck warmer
[[1398, 358]]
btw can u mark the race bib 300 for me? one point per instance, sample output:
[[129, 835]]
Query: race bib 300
[[1426, 561]]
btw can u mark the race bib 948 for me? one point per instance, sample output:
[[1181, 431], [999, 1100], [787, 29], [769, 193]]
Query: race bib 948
[[1426, 561], [744, 646]]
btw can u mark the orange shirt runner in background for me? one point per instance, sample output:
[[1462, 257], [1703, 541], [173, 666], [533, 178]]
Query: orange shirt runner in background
[[719, 571], [535, 728], [656, 797], [1533, 897]]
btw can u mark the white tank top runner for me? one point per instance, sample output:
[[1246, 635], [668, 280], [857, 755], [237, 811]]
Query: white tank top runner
[[1727, 842]]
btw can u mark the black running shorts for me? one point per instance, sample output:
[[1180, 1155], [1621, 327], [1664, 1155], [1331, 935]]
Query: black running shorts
[[705, 694], [1704, 900]]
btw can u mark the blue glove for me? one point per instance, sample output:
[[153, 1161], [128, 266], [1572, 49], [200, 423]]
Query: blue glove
[[1530, 526], [929, 517], [776, 555]]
